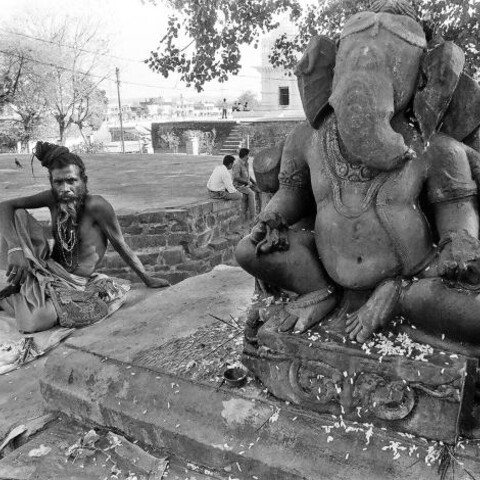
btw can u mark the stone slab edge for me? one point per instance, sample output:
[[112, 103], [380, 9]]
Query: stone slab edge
[[219, 428]]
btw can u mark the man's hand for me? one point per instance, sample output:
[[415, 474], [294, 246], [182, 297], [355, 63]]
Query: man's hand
[[154, 282], [17, 269], [270, 233]]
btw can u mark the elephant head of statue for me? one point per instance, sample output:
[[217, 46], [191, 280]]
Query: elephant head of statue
[[381, 66]]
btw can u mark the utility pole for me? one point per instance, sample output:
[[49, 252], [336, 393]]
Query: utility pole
[[117, 71]]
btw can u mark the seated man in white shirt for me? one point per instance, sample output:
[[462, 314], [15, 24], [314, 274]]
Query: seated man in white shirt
[[220, 185]]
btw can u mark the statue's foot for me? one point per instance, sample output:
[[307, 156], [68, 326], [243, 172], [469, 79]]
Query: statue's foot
[[379, 309], [308, 310]]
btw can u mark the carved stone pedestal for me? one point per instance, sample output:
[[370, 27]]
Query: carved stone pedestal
[[391, 382]]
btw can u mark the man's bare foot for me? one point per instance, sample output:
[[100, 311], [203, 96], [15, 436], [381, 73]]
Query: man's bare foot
[[379, 309], [308, 310]]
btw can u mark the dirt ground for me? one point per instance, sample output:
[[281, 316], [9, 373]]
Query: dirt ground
[[131, 182]]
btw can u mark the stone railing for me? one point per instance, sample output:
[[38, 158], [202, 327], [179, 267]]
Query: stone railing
[[176, 243]]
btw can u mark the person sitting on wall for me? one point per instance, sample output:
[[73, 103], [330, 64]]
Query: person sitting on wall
[[220, 184], [59, 285], [242, 181]]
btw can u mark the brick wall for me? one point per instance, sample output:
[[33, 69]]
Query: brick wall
[[176, 243]]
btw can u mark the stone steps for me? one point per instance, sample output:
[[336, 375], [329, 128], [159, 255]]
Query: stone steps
[[234, 141]]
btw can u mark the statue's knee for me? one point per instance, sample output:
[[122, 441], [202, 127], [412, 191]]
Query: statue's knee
[[245, 253]]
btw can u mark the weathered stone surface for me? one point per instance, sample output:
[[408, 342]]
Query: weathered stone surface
[[198, 266], [148, 258], [127, 220], [219, 244], [325, 372], [158, 229], [134, 230], [159, 397], [180, 238], [200, 252], [172, 255], [204, 238], [145, 241], [175, 277]]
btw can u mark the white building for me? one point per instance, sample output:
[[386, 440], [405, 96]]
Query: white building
[[279, 90]]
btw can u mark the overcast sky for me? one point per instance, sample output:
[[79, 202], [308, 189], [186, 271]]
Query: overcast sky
[[134, 29]]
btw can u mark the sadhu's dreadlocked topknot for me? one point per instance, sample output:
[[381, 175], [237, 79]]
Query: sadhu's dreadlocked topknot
[[57, 156]]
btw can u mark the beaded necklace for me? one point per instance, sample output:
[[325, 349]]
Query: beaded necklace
[[67, 236]]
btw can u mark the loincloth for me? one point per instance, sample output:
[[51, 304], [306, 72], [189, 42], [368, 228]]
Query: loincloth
[[79, 307]]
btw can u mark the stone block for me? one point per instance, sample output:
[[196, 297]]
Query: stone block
[[219, 244], [211, 221], [203, 239], [134, 230], [148, 258], [216, 259], [200, 253], [200, 224], [162, 268], [180, 238], [160, 229], [126, 220], [153, 217], [177, 214], [172, 255], [201, 208], [197, 266], [181, 226], [136, 242]]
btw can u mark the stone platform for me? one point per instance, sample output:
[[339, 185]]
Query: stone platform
[[153, 373]]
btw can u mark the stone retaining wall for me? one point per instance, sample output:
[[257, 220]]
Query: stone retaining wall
[[176, 243]]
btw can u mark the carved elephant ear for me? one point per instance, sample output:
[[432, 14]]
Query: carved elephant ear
[[462, 117], [440, 73], [315, 76]]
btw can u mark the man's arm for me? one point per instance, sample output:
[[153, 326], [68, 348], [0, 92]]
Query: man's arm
[[17, 265], [105, 216], [7, 213], [227, 182]]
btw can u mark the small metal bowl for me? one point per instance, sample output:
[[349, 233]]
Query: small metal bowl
[[234, 376]]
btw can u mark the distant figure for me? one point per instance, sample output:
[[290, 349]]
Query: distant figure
[[220, 184], [235, 107], [245, 107], [18, 164], [242, 181], [224, 109]]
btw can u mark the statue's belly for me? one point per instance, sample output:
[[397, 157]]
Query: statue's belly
[[361, 252]]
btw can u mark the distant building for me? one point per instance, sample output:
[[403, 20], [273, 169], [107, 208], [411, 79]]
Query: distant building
[[279, 90], [113, 110]]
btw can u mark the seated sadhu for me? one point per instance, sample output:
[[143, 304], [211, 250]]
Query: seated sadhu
[[59, 285]]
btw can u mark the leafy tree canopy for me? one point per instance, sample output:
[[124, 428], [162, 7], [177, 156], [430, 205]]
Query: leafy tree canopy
[[203, 37]]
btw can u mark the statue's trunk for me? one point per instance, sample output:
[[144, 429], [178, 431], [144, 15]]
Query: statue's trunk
[[364, 105]]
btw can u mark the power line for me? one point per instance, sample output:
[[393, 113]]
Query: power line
[[126, 82], [84, 50], [110, 56]]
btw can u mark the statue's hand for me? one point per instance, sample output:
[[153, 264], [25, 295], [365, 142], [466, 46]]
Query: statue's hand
[[269, 234], [459, 258]]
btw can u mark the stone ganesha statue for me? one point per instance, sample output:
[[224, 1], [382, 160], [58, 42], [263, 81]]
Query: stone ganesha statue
[[383, 182]]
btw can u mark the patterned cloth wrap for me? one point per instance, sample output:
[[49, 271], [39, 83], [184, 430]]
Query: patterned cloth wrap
[[99, 298]]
